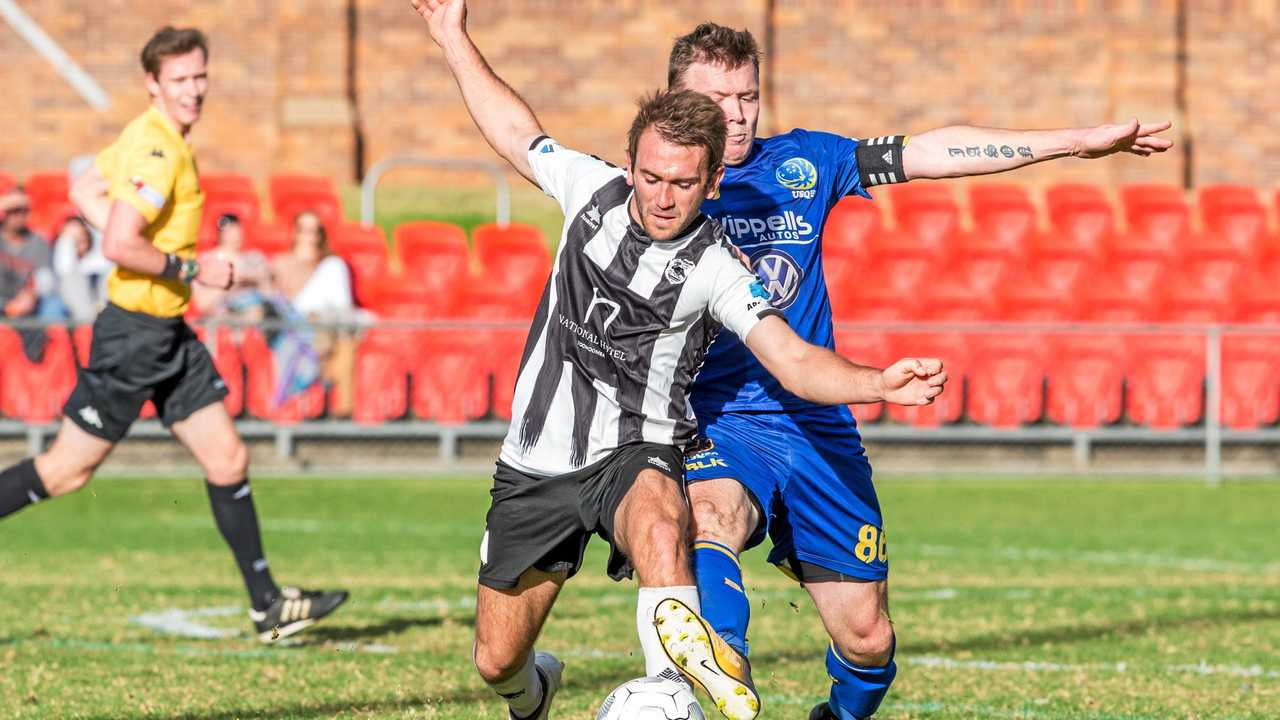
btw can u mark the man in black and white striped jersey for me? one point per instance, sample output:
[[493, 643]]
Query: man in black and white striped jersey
[[641, 283]]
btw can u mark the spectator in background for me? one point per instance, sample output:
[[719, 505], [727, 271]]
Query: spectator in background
[[252, 279], [81, 270], [28, 288], [317, 285]]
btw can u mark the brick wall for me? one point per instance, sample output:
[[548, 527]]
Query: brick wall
[[282, 89]]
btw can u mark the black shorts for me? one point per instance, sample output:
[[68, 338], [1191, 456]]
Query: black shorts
[[545, 522], [137, 357]]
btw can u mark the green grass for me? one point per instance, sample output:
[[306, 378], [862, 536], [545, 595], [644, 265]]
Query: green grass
[[1011, 600]]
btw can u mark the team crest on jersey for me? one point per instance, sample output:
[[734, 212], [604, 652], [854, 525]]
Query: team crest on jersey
[[678, 270], [780, 276], [799, 176]]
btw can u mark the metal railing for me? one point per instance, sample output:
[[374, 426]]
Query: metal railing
[[368, 188]]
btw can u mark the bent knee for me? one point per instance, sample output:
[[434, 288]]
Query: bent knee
[[61, 475], [869, 644], [496, 664], [726, 516], [230, 466]]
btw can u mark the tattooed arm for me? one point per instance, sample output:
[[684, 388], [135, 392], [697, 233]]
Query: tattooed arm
[[961, 150]]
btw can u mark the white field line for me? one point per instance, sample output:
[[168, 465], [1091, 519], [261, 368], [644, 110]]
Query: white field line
[[1107, 557], [186, 624]]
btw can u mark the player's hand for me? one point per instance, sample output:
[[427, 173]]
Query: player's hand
[[216, 272], [445, 18], [1131, 137], [913, 381]]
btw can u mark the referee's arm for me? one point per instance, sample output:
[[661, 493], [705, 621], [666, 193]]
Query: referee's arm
[[505, 120]]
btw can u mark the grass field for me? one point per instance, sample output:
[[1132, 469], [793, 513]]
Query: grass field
[[1011, 599]]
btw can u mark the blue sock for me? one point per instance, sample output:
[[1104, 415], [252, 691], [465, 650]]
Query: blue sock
[[720, 591], [856, 691]]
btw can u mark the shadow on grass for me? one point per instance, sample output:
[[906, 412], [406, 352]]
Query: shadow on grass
[[350, 633], [1033, 637]]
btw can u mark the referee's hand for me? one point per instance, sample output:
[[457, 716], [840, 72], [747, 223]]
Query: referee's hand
[[216, 272]]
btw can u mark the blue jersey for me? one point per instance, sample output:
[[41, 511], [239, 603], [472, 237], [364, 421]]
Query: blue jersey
[[773, 207]]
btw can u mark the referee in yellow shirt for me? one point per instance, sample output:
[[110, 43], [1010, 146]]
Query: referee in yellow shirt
[[145, 191]]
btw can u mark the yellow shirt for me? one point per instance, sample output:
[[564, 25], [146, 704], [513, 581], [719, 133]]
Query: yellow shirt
[[152, 168]]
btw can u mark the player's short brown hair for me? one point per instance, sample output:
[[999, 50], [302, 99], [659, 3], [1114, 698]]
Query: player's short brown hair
[[682, 117], [168, 42], [712, 43]]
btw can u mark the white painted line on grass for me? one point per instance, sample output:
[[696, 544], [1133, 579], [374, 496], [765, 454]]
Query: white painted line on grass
[[1123, 666], [1107, 557], [183, 623]]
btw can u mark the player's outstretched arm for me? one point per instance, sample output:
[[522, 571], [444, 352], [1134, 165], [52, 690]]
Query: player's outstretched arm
[[821, 376], [505, 120], [961, 150]]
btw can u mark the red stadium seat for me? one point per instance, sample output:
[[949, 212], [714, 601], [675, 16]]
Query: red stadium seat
[[357, 236], [1004, 221], [50, 207], [928, 223], [36, 392], [1081, 219], [1085, 380], [841, 268], [877, 296], [514, 264], [294, 194], [1110, 297], [1235, 224], [1191, 297], [1159, 219], [1258, 299], [369, 275], [1029, 296], [1250, 381], [267, 239], [506, 350], [450, 377], [871, 349], [381, 377], [261, 385], [227, 193], [1165, 380], [434, 260], [950, 300], [853, 225], [954, 351], [1006, 380]]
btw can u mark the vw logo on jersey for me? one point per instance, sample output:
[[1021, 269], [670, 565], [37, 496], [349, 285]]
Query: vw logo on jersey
[[797, 174], [780, 277]]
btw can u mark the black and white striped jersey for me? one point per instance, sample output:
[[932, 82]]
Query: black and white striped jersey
[[623, 324]]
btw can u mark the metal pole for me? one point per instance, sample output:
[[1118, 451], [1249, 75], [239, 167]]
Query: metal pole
[[502, 189], [1213, 419], [38, 39]]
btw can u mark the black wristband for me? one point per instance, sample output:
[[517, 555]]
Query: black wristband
[[880, 160], [172, 267]]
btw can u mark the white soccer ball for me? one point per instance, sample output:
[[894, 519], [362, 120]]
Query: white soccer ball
[[651, 698]]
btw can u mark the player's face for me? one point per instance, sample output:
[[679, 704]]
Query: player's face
[[180, 88], [670, 183], [737, 92], [231, 237]]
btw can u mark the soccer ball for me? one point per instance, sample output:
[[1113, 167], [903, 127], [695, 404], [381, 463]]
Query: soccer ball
[[651, 698]]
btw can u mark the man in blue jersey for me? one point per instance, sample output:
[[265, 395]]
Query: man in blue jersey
[[768, 462]]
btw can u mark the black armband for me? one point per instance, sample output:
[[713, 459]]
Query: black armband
[[880, 160], [172, 267]]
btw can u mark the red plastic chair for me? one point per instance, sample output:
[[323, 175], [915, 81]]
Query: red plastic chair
[[1158, 216], [1004, 221], [294, 194], [1258, 299], [227, 193], [261, 384], [267, 239], [450, 377], [349, 237], [1006, 380], [1085, 386], [955, 351], [1081, 219], [381, 377], [369, 275], [1250, 381], [865, 348], [1191, 297], [951, 300], [1029, 297], [1165, 380], [1235, 224], [434, 259], [36, 392], [506, 350], [873, 297], [928, 223], [514, 265], [230, 366], [1110, 297], [50, 207], [852, 225]]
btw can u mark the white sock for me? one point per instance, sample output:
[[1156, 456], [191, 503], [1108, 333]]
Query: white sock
[[523, 691], [655, 658]]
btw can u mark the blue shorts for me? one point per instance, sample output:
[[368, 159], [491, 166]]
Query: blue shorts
[[808, 474]]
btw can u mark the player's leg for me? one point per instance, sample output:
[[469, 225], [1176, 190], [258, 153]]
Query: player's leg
[[651, 529], [860, 657], [832, 538], [508, 622], [65, 467]]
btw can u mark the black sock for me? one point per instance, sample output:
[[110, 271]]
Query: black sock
[[20, 486], [238, 521]]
